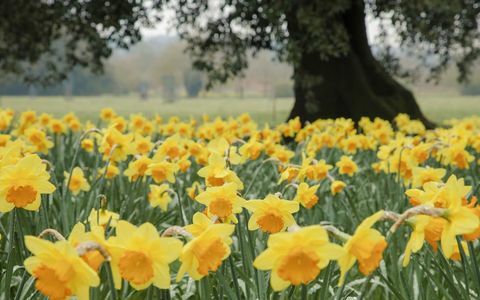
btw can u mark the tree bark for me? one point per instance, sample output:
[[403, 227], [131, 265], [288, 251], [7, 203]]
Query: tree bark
[[351, 86]]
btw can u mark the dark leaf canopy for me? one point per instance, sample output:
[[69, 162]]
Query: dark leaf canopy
[[53, 35], [45, 39], [220, 33]]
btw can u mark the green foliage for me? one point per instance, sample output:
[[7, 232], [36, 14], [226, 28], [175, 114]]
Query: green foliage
[[297, 29], [44, 40], [439, 32], [193, 82]]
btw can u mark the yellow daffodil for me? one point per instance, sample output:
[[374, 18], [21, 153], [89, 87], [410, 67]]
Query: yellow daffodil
[[271, 214], [58, 270], [201, 222], [222, 201], [206, 251], [216, 172], [57, 126], [306, 195], [162, 171], [461, 220], [102, 217], [137, 168], [251, 150], [423, 175], [159, 196], [141, 256], [289, 174], [318, 171], [115, 145], [456, 155], [365, 246], [346, 166], [476, 233], [282, 154], [111, 171], [417, 237], [38, 138], [78, 235], [194, 190], [22, 184], [172, 147], [78, 182], [88, 145], [297, 257], [107, 114], [337, 186], [142, 144]]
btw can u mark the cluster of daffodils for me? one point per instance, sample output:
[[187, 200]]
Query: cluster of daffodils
[[149, 203]]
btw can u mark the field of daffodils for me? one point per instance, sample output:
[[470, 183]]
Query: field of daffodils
[[151, 208]]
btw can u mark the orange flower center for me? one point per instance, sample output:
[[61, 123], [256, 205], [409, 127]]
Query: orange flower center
[[94, 259], [214, 181], [111, 172], [49, 283], [173, 152], [299, 266], [210, 256], [270, 222], [21, 196], [460, 161], [310, 200], [433, 231], [142, 169], [347, 169], [138, 123], [143, 147], [337, 187], [310, 173], [221, 207], [159, 175], [136, 267], [75, 183], [36, 138], [57, 128], [254, 152], [370, 263]]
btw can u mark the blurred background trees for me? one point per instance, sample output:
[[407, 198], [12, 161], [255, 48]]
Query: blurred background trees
[[159, 66], [321, 46]]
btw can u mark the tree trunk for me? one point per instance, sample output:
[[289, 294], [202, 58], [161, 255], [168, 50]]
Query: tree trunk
[[350, 86]]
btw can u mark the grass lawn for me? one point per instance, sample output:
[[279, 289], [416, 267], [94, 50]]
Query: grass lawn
[[438, 107]]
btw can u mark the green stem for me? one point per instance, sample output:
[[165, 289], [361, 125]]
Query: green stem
[[255, 174], [464, 264], [304, 292], [11, 254], [473, 257], [111, 284], [365, 286], [234, 275]]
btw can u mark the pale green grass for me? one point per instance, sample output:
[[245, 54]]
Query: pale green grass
[[438, 107], [441, 107], [260, 109]]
